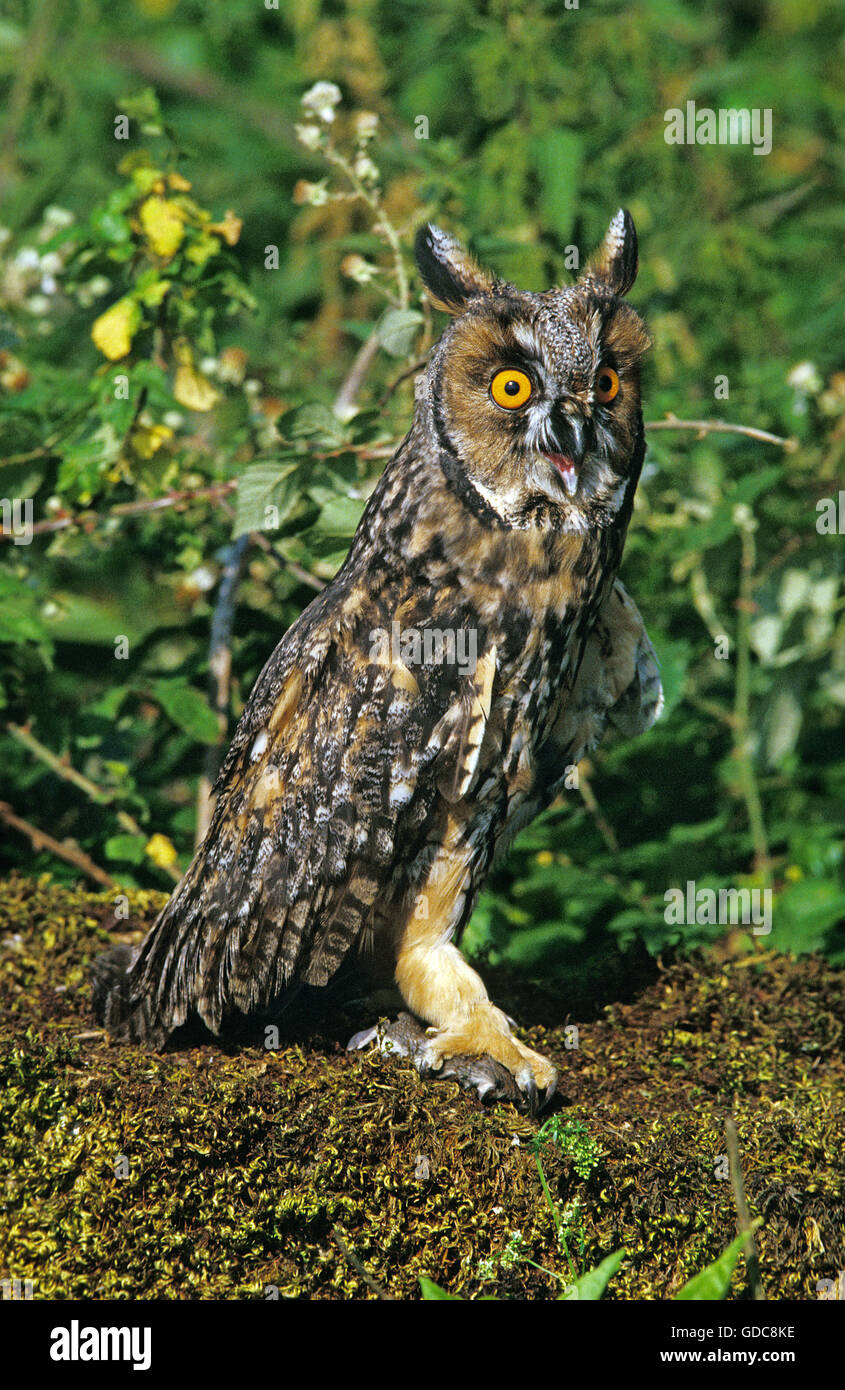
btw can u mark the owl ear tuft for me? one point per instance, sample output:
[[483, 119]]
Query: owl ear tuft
[[614, 263], [448, 271]]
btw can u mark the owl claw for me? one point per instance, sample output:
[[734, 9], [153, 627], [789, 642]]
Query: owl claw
[[489, 1078]]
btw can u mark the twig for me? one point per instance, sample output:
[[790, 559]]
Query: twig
[[397, 381], [741, 727], [70, 853], [346, 397], [746, 1225], [355, 1263], [147, 504], [219, 672], [721, 427], [382, 223], [603, 826], [100, 795]]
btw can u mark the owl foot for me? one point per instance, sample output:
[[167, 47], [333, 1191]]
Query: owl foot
[[525, 1078]]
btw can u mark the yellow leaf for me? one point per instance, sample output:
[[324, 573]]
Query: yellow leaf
[[164, 225], [112, 333], [229, 229], [202, 249], [148, 439], [192, 390], [161, 851]]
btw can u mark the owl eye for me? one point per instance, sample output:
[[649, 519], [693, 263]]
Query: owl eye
[[607, 385], [510, 388]]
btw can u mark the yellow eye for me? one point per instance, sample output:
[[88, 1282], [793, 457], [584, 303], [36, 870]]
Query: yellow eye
[[510, 388], [607, 385]]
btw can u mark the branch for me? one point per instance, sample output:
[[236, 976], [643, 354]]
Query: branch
[[344, 404], [219, 673], [100, 795], [72, 854], [703, 427], [88, 520]]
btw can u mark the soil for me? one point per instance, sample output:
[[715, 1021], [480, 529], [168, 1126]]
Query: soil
[[233, 1169]]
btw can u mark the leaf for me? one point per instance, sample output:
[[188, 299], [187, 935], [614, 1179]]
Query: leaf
[[114, 330], [229, 228], [398, 329], [712, 1283], [193, 390], [188, 708], [591, 1286], [261, 486], [162, 851], [130, 848], [805, 913], [431, 1291], [163, 222]]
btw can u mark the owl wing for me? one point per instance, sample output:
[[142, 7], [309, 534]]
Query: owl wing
[[333, 769], [618, 682]]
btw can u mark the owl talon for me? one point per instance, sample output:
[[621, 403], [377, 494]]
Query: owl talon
[[482, 1073]]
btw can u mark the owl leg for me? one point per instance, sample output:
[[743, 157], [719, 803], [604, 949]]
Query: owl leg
[[440, 987]]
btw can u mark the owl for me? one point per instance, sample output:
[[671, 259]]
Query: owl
[[473, 646]]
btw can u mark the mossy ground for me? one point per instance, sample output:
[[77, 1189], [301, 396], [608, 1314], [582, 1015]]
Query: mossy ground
[[315, 1171]]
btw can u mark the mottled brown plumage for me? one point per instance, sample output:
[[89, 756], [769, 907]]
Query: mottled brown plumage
[[429, 702]]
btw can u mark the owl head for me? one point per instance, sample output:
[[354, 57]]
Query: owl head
[[535, 398]]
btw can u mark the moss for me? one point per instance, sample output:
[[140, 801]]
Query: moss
[[226, 1171]]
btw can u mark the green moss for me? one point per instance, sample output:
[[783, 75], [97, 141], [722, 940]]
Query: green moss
[[215, 1171]]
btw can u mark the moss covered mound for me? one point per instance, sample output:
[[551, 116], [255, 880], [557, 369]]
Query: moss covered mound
[[231, 1171]]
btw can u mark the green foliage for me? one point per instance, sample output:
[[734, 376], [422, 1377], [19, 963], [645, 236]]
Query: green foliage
[[151, 348], [712, 1284]]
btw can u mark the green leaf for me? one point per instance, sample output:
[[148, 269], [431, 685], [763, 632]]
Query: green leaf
[[260, 487], [592, 1285], [188, 708], [432, 1291], [805, 912], [130, 848], [398, 329], [712, 1283]]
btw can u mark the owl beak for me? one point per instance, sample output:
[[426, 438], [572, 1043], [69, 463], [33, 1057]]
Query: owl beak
[[567, 470], [569, 434]]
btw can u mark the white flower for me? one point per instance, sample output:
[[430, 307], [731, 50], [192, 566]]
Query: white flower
[[357, 269], [804, 377], [322, 99], [48, 284], [58, 217], [309, 135], [365, 169], [51, 263], [27, 258], [366, 125]]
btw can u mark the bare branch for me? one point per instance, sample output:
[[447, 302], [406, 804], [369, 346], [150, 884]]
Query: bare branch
[[71, 853], [703, 427]]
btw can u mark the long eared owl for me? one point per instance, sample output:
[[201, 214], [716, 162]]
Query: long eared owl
[[428, 703]]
